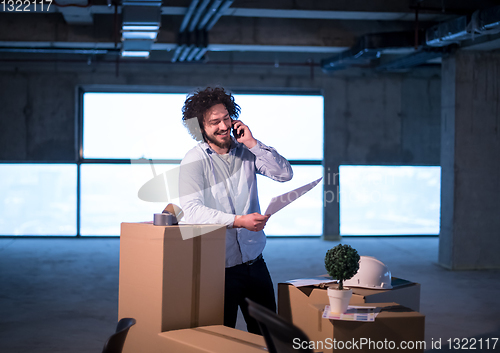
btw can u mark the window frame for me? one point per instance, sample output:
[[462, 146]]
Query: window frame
[[97, 88]]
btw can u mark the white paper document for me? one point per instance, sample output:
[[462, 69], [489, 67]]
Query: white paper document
[[353, 313], [278, 202], [311, 281]]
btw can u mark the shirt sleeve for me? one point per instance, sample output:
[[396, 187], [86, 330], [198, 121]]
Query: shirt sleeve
[[192, 185], [270, 163]]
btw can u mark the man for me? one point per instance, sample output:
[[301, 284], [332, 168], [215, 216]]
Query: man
[[218, 185]]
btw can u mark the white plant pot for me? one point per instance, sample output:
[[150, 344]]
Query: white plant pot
[[339, 300]]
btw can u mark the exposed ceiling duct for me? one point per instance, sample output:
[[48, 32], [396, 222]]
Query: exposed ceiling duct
[[140, 26], [439, 39], [258, 30], [417, 58], [369, 47], [75, 12], [442, 38], [482, 22]]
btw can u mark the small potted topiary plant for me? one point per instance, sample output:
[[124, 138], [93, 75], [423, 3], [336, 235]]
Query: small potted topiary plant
[[342, 263]]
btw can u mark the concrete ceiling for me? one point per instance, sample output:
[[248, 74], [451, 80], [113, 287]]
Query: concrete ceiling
[[253, 28]]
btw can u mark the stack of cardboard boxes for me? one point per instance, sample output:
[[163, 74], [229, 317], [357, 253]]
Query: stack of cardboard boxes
[[399, 320], [174, 288]]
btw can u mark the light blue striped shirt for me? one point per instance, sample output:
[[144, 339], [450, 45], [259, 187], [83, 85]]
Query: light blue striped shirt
[[214, 188]]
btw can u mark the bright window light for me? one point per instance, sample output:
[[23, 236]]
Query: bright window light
[[304, 216], [142, 126], [134, 125], [389, 200], [110, 195], [146, 125], [38, 199], [281, 121]]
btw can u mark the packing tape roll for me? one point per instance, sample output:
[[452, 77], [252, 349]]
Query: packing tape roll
[[164, 219]]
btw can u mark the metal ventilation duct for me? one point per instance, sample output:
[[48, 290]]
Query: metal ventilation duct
[[414, 59], [482, 22], [140, 26], [369, 47]]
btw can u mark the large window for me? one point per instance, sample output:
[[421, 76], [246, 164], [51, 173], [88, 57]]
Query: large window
[[389, 200], [303, 217], [148, 125], [134, 125], [38, 199], [110, 195], [131, 143], [146, 129]]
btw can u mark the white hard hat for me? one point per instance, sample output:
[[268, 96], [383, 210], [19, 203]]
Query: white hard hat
[[372, 274]]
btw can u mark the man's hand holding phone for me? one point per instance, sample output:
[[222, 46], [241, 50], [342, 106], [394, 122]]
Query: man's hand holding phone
[[242, 134]]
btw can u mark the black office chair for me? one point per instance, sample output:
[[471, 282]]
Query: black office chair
[[117, 339], [281, 336]]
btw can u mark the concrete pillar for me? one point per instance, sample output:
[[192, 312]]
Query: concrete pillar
[[470, 160], [335, 125]]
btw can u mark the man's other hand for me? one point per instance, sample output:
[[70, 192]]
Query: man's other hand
[[254, 221]]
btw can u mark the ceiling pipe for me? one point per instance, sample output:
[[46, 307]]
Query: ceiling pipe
[[188, 15], [212, 10], [193, 53], [182, 42], [184, 37], [209, 12], [186, 52], [220, 10], [218, 14], [196, 18], [200, 54], [177, 53], [201, 43]]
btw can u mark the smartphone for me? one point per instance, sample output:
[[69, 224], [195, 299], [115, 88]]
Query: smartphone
[[233, 130]]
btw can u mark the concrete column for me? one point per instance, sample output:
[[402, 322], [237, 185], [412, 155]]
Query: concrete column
[[470, 160], [335, 125]]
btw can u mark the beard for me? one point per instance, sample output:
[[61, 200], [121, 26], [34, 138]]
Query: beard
[[213, 140]]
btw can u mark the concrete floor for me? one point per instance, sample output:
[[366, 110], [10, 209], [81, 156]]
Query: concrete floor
[[61, 295]]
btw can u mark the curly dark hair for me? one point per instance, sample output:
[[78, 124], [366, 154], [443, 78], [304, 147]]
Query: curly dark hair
[[197, 104]]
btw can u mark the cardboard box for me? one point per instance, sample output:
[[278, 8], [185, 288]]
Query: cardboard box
[[405, 293], [167, 283], [212, 339], [394, 327], [303, 307]]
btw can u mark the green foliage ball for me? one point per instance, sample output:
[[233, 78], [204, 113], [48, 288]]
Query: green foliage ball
[[342, 263]]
